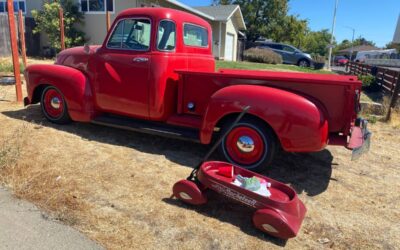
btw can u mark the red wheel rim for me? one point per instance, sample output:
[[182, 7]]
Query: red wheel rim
[[241, 152], [53, 103]]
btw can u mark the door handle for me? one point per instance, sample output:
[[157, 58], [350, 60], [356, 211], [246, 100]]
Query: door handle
[[140, 59]]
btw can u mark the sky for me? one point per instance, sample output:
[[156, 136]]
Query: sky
[[372, 19]]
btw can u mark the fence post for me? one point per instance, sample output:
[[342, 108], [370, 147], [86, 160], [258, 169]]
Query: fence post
[[108, 21], [22, 37], [394, 98], [14, 50], [62, 37]]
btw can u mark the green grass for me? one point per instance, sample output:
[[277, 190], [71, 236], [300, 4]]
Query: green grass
[[263, 66]]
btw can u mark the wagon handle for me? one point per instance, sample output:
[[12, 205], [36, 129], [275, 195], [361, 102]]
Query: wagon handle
[[214, 147]]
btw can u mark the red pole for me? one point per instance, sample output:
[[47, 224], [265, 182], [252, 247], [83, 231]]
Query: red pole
[[22, 37], [14, 50], [108, 20], [61, 14]]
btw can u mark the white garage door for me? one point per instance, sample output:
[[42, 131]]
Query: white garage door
[[229, 47]]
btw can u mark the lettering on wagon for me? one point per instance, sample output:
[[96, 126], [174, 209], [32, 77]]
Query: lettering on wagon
[[233, 194]]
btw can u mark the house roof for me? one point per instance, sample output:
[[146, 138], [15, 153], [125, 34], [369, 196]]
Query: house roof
[[216, 13], [219, 12], [186, 7], [224, 13], [359, 48]]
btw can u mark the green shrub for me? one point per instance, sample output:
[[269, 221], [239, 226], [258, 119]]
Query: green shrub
[[262, 56], [47, 21], [368, 82]]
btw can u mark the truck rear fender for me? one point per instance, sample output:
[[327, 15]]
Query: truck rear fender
[[297, 122], [72, 83]]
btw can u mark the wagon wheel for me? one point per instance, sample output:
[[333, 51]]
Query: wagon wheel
[[189, 192], [272, 223]]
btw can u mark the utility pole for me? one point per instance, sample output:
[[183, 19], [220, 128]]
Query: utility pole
[[14, 50], [332, 33], [352, 44]]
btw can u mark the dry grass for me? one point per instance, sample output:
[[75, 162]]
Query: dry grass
[[6, 65], [115, 187]]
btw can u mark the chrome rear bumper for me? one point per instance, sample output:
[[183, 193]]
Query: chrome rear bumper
[[360, 139]]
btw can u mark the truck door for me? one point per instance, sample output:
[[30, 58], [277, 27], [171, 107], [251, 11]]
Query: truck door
[[123, 66]]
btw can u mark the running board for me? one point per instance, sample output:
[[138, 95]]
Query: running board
[[149, 127]]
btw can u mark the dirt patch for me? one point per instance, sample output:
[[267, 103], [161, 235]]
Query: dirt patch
[[115, 187]]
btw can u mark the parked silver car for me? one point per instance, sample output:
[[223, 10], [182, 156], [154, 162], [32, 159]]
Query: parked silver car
[[290, 54]]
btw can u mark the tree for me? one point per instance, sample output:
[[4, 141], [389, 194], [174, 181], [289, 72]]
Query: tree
[[262, 17], [47, 21], [393, 45], [362, 41], [293, 31], [316, 42]]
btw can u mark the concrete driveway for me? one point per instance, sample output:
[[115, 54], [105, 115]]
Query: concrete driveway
[[22, 226]]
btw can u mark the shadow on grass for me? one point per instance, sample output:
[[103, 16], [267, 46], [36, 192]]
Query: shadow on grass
[[225, 210], [309, 173]]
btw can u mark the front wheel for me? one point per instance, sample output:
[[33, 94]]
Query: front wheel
[[304, 63], [54, 106], [250, 144]]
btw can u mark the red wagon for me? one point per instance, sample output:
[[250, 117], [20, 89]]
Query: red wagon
[[279, 210], [279, 215]]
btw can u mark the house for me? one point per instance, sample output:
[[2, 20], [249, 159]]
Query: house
[[226, 21]]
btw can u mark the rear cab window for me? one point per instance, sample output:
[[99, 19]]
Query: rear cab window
[[194, 35], [166, 36]]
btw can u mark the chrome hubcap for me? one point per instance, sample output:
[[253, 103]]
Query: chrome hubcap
[[55, 102], [245, 144]]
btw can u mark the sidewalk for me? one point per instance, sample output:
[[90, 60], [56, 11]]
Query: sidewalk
[[22, 226]]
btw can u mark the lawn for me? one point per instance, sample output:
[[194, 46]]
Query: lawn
[[263, 66]]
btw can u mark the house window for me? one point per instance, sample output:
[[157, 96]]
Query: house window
[[97, 6], [18, 5], [131, 34], [194, 35], [166, 36]]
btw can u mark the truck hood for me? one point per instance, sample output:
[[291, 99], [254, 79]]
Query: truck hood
[[76, 57]]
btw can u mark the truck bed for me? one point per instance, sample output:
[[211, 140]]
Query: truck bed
[[335, 94]]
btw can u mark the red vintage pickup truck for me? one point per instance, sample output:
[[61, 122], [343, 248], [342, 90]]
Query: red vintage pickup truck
[[155, 73]]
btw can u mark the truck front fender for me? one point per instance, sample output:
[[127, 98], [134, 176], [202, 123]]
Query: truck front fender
[[299, 123], [72, 83]]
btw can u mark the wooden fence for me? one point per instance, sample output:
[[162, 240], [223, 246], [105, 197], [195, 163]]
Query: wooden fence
[[5, 45], [387, 79]]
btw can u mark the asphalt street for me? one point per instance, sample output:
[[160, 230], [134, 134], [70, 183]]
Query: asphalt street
[[22, 226]]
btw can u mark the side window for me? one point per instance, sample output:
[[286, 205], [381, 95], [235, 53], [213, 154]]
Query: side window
[[276, 46], [133, 34], [288, 49], [194, 35], [166, 37]]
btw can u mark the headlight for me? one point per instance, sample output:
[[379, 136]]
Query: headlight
[[308, 55]]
